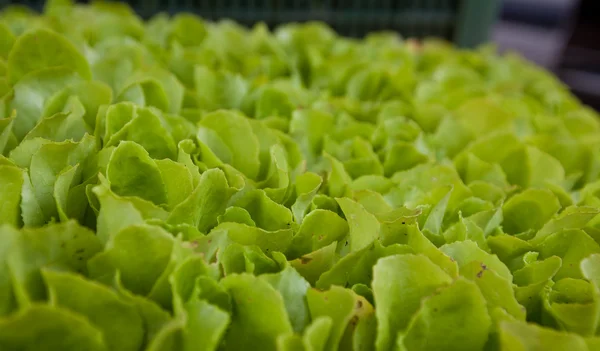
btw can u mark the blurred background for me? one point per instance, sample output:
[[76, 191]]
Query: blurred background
[[561, 35]]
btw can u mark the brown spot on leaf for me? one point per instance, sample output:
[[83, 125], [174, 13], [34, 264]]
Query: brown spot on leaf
[[483, 268], [192, 244], [305, 260], [359, 303]]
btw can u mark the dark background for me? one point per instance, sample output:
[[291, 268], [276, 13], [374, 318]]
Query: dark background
[[561, 35]]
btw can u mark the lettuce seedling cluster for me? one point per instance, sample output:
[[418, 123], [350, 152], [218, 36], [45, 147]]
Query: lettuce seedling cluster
[[177, 184]]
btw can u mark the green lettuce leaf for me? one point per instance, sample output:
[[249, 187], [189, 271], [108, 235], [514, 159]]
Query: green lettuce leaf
[[398, 292], [519, 335], [433, 326], [44, 325], [66, 246], [530, 209], [152, 246], [337, 304], [293, 288], [41, 49], [260, 313], [131, 172], [11, 183], [119, 321]]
